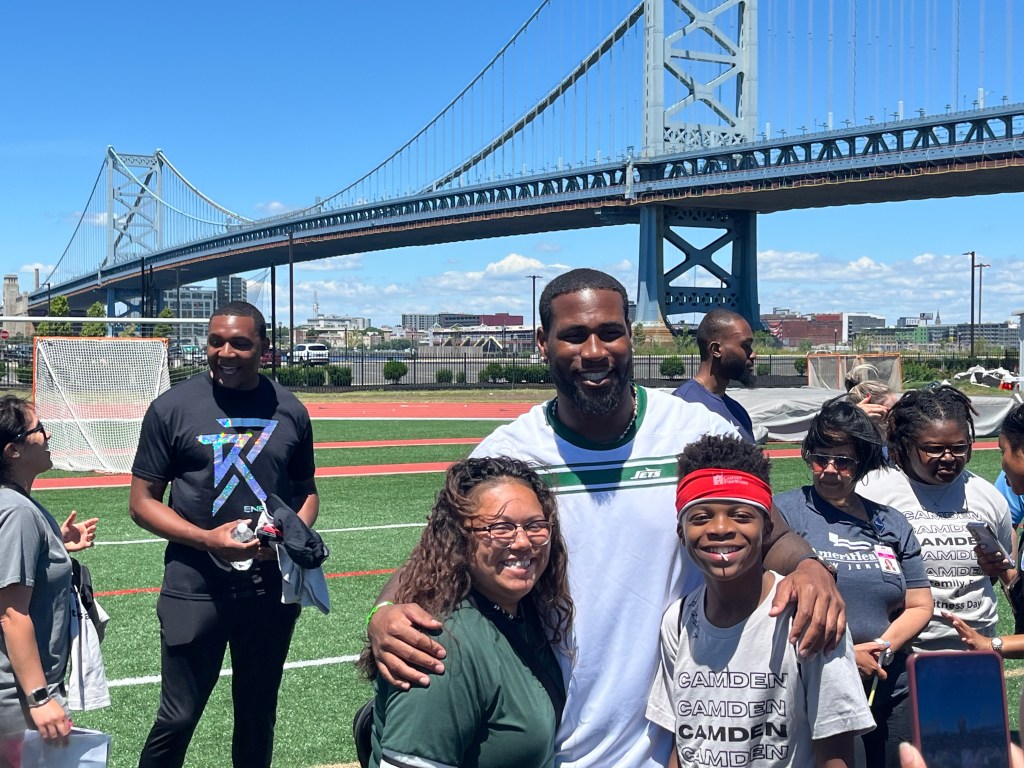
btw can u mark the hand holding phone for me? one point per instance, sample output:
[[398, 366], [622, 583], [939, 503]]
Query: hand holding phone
[[958, 707], [986, 539]]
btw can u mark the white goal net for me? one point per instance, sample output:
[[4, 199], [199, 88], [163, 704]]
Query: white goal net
[[830, 371], [91, 393]]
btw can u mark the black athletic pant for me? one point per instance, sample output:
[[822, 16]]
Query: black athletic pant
[[193, 637]]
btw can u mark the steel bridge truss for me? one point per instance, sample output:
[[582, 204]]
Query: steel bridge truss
[[133, 211], [658, 299], [716, 49]]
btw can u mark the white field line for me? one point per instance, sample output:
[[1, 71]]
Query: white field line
[[318, 530], [151, 679]]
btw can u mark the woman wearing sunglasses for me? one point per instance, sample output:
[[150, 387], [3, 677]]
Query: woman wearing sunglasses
[[881, 575], [491, 565], [35, 587]]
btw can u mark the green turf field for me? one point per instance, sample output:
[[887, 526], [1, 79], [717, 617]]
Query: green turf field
[[317, 701]]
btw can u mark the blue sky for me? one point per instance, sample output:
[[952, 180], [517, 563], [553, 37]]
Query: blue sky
[[264, 107]]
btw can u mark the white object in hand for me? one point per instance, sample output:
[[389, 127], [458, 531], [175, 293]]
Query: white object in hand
[[242, 533]]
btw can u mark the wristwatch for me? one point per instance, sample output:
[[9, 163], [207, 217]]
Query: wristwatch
[[38, 697], [997, 645], [825, 564]]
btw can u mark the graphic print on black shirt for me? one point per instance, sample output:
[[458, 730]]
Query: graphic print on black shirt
[[223, 452]]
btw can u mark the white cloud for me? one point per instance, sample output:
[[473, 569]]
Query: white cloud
[[101, 219], [30, 269], [513, 264]]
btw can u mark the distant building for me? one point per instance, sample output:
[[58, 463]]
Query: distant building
[[231, 289], [856, 322], [480, 339], [419, 322], [16, 303], [502, 318], [195, 301], [451, 319]]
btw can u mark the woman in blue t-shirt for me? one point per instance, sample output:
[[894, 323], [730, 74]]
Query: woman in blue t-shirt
[[880, 572]]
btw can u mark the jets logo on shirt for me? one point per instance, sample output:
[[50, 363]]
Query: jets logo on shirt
[[647, 473], [233, 454]]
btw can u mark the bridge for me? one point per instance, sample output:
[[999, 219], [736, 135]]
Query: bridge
[[653, 120]]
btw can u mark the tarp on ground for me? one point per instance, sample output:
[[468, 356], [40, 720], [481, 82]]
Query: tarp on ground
[[785, 413]]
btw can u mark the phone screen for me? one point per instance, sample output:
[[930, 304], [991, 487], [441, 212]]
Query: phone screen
[[958, 703]]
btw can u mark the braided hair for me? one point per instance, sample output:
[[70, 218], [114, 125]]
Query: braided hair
[[918, 409]]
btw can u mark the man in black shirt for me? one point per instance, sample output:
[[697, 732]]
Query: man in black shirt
[[224, 441]]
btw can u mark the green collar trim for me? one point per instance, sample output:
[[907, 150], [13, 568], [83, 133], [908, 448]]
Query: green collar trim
[[581, 442]]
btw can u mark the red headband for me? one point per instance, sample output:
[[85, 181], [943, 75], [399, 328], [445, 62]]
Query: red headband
[[722, 485]]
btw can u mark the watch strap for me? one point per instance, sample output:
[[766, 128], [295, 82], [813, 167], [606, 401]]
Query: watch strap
[[38, 697]]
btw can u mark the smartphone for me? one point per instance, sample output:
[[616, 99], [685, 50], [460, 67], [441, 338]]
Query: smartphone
[[958, 708], [983, 535]]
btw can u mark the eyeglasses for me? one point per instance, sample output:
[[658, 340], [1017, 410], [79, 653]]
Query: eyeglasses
[[959, 450], [844, 465], [37, 428], [504, 534]]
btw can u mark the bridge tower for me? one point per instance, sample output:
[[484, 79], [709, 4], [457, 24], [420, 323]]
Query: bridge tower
[[714, 52], [135, 218]]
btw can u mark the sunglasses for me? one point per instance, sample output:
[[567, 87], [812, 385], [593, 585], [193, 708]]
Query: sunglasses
[[37, 428], [844, 465]]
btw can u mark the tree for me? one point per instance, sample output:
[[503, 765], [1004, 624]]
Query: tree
[[58, 308], [394, 370], [639, 335], [128, 331], [95, 329], [672, 367], [164, 330], [765, 340]]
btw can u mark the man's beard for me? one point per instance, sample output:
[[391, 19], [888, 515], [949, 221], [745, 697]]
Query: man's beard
[[600, 403], [738, 371]]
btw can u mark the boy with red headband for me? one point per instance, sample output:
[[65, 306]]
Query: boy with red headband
[[731, 687]]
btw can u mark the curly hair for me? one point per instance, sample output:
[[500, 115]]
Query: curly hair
[[436, 576], [15, 416], [575, 281], [840, 421], [919, 408], [1013, 428], [724, 452]]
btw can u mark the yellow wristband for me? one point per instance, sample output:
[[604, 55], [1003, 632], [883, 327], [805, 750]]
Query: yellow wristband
[[376, 608]]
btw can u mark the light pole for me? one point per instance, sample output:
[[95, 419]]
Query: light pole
[[49, 303], [971, 254], [835, 339], [981, 274], [534, 278]]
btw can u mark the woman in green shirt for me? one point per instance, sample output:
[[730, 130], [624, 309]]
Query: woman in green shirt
[[491, 566]]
